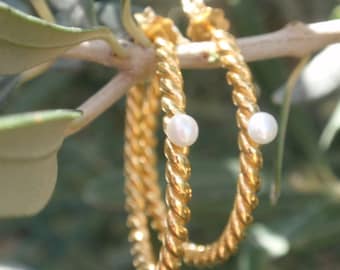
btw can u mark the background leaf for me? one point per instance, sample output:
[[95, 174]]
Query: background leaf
[[29, 143], [284, 116], [320, 78], [81, 13]]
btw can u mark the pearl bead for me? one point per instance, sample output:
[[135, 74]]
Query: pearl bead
[[182, 130], [262, 128]]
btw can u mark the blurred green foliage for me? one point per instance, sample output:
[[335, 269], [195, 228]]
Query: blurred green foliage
[[84, 224]]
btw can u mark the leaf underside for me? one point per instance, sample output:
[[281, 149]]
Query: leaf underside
[[29, 143], [26, 41]]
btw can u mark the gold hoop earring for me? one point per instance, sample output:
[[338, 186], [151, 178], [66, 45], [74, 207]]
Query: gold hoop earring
[[178, 192], [144, 190]]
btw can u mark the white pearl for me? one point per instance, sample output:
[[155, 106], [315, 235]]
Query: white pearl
[[262, 128], [182, 130]]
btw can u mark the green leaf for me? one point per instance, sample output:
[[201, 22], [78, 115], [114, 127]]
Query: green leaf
[[319, 78], [131, 27], [284, 116], [29, 143], [27, 41]]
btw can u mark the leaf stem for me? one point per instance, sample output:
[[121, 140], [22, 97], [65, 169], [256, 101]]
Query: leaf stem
[[131, 27], [284, 116], [43, 10], [114, 44]]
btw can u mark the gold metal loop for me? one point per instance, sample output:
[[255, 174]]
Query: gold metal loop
[[141, 179], [143, 191]]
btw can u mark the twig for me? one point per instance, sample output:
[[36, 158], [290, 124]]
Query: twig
[[101, 101], [138, 66], [131, 27], [294, 40], [43, 10], [97, 51]]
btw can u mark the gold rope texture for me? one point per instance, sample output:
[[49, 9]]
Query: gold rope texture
[[204, 26], [137, 155], [246, 200], [250, 157], [177, 170], [134, 188]]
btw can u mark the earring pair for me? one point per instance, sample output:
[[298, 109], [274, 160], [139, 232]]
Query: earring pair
[[165, 93]]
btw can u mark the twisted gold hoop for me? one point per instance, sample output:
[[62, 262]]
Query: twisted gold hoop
[[134, 187], [172, 230], [178, 169]]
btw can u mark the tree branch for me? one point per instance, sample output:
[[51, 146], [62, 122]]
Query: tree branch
[[294, 40], [101, 101], [138, 66]]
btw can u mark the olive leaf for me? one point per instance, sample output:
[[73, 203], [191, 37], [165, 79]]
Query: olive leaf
[[284, 116], [320, 78], [131, 27], [29, 143], [26, 41]]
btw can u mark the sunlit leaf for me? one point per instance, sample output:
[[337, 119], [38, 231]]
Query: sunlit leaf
[[27, 41], [29, 143], [318, 79], [275, 244]]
